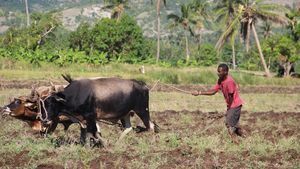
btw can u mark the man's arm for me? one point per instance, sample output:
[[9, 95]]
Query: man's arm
[[230, 96], [208, 92]]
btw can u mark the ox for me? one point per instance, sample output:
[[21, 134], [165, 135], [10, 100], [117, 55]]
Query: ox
[[26, 108], [109, 99]]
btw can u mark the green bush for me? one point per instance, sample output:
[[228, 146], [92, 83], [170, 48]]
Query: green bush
[[122, 40], [206, 55]]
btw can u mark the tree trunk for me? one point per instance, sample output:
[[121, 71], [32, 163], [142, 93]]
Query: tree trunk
[[27, 13], [287, 68], [233, 57], [267, 71], [158, 30], [187, 47], [199, 40], [248, 36]]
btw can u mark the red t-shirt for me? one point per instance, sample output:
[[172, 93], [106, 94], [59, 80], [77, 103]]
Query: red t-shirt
[[229, 86]]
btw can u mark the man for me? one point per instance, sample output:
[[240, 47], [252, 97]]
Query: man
[[234, 103]]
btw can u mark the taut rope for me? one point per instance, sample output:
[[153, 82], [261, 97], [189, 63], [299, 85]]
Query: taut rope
[[158, 82]]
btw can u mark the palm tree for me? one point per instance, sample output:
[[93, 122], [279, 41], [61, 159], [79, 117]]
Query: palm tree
[[293, 16], [266, 29], [185, 20], [251, 12], [246, 15], [201, 14], [158, 5], [27, 13], [225, 15], [117, 7]]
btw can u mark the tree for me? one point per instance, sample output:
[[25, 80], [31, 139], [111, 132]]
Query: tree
[[201, 15], [225, 15], [121, 40], [246, 15], [117, 7], [284, 50], [35, 35], [293, 26], [158, 5], [185, 21], [27, 12], [266, 29], [80, 39]]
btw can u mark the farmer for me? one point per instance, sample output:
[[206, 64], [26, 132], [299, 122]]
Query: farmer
[[234, 103]]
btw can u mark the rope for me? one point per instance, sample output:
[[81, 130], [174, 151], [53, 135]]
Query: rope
[[46, 112], [154, 85], [183, 91], [109, 123], [40, 109]]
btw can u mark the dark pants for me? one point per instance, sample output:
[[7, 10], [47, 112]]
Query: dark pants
[[233, 117]]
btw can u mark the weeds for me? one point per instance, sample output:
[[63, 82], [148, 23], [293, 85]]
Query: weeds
[[201, 75]]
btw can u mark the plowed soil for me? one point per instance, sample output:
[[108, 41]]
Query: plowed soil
[[272, 127]]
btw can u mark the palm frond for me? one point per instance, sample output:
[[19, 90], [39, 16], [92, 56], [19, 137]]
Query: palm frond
[[220, 13], [272, 7], [228, 31], [174, 17], [185, 10], [274, 17]]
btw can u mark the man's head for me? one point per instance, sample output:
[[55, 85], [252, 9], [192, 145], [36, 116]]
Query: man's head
[[222, 71]]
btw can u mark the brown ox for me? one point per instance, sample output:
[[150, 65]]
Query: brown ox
[[26, 108]]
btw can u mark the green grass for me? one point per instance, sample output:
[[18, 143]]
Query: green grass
[[252, 102], [176, 75]]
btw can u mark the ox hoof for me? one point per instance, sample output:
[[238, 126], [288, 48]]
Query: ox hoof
[[139, 129], [95, 141]]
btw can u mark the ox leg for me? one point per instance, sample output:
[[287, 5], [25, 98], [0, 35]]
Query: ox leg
[[66, 125], [94, 138], [98, 129], [126, 122], [127, 125], [145, 117], [83, 132]]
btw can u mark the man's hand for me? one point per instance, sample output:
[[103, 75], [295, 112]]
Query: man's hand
[[196, 93]]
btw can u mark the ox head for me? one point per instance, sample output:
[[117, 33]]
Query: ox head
[[19, 107], [24, 109], [50, 109]]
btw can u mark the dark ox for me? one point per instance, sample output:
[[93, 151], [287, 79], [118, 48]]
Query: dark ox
[[26, 108], [109, 99]]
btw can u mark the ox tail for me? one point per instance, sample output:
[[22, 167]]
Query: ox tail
[[67, 77]]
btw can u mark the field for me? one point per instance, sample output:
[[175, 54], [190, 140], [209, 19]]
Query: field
[[192, 135]]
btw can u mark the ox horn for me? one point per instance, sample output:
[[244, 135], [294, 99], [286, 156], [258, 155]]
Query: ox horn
[[52, 87], [34, 95]]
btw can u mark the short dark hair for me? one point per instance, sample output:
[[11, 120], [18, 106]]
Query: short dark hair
[[224, 66]]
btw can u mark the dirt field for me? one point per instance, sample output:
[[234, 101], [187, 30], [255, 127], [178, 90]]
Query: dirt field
[[183, 142], [188, 139]]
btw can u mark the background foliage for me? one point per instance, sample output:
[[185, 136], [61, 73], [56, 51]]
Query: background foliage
[[125, 40]]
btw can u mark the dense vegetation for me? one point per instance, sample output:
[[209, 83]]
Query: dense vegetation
[[231, 25]]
